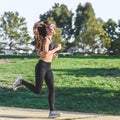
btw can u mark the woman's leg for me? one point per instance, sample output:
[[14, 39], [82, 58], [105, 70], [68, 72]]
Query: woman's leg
[[49, 79], [39, 77]]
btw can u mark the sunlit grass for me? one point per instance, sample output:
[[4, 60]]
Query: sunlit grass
[[84, 84]]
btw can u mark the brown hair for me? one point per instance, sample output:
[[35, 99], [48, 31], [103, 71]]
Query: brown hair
[[40, 33]]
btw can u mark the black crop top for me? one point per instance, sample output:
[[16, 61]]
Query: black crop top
[[51, 45]]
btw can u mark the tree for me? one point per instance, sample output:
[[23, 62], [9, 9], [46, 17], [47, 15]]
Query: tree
[[58, 39], [113, 30], [118, 39], [13, 31], [63, 18], [2, 46], [89, 33]]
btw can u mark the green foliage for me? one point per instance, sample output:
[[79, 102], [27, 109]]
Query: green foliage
[[84, 84], [13, 30], [113, 30], [57, 39], [89, 32]]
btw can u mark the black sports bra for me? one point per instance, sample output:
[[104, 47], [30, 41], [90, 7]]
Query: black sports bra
[[51, 45]]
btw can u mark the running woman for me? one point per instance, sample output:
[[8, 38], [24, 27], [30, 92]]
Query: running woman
[[43, 33]]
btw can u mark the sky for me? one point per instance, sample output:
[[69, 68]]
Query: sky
[[31, 9]]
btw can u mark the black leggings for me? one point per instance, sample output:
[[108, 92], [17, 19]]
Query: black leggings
[[43, 71]]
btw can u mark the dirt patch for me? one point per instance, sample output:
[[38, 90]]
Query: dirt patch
[[4, 61]]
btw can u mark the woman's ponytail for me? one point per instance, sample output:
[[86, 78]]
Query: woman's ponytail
[[39, 30]]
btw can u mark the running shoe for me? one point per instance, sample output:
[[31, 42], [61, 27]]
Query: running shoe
[[17, 83], [54, 114]]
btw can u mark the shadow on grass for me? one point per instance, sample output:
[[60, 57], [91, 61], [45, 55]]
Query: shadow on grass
[[90, 100], [90, 72]]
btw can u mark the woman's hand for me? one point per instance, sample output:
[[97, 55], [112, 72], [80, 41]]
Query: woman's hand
[[55, 55]]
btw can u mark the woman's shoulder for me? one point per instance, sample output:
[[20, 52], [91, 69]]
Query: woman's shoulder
[[49, 38], [46, 40]]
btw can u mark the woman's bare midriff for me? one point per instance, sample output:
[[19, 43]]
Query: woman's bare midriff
[[47, 59]]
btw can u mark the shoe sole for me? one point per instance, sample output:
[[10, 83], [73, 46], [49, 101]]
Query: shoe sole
[[55, 116]]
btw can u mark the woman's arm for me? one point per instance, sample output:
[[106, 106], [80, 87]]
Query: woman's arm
[[39, 52]]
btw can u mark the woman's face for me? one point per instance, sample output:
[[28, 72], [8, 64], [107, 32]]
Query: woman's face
[[51, 29]]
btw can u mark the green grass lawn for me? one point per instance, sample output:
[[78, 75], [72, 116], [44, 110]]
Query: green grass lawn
[[83, 84]]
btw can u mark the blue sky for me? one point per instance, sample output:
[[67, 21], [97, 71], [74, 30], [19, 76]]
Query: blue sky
[[31, 9]]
